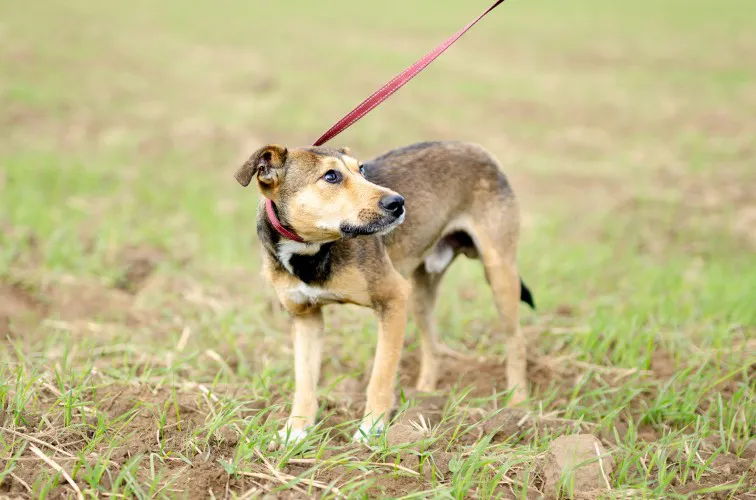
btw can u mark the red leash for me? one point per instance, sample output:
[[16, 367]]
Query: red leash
[[371, 102], [398, 82]]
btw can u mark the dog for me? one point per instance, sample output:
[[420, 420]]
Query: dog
[[335, 230]]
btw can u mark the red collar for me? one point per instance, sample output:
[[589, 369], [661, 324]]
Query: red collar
[[277, 223]]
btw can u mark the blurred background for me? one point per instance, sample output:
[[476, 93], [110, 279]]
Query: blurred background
[[626, 128], [131, 117]]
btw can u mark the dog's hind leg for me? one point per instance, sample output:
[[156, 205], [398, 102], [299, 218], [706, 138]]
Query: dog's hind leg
[[504, 278], [424, 292]]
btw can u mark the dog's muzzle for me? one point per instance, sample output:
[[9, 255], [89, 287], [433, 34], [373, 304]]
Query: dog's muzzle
[[394, 215]]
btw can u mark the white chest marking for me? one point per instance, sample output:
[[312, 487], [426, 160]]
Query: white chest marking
[[306, 294], [287, 248]]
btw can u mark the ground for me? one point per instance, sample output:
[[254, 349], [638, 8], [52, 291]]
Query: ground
[[142, 354]]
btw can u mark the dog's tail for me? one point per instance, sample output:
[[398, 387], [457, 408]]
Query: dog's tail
[[525, 295]]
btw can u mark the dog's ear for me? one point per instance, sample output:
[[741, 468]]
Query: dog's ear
[[345, 151], [264, 163]]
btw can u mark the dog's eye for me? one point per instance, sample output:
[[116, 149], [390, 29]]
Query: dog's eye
[[362, 170], [332, 177]]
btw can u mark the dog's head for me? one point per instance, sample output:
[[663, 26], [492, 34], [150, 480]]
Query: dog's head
[[322, 193]]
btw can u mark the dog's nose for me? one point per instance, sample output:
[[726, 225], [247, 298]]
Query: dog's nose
[[392, 203]]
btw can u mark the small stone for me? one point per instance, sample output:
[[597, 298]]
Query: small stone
[[575, 461], [504, 422], [441, 461], [227, 435], [399, 434]]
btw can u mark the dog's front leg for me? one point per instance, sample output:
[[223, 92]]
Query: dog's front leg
[[307, 332], [392, 321]]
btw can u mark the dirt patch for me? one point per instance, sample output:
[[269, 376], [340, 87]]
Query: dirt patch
[[15, 301], [663, 364], [85, 299], [725, 469], [25, 242], [207, 479], [65, 299], [19, 310], [684, 210], [164, 421], [521, 426], [138, 263], [483, 377], [424, 446], [414, 467], [428, 417], [744, 224], [582, 189]]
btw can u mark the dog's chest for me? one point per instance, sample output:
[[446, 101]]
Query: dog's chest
[[310, 275], [311, 263], [304, 294]]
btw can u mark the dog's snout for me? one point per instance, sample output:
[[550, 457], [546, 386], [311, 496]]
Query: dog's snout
[[392, 203]]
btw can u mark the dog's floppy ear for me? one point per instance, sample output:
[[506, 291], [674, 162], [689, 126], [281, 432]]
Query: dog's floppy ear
[[345, 151], [263, 163]]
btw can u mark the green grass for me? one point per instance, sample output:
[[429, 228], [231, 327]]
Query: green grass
[[625, 128]]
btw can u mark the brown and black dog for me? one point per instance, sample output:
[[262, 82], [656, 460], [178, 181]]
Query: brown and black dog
[[339, 231]]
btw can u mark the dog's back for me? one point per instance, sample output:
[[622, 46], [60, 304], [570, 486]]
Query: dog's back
[[450, 188]]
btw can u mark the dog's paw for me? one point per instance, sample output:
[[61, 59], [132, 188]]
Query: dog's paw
[[519, 397], [287, 437], [426, 382], [369, 431]]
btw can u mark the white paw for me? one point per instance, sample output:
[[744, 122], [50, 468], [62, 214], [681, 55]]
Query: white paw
[[369, 430], [287, 437]]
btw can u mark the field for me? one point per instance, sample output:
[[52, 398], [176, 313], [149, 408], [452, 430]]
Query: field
[[142, 355]]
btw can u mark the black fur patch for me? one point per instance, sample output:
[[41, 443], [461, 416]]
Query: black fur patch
[[350, 230], [313, 268], [526, 296]]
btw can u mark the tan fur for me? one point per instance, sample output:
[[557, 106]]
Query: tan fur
[[318, 208], [457, 202]]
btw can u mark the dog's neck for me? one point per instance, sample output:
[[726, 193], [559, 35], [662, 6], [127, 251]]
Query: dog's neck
[[270, 211], [310, 262]]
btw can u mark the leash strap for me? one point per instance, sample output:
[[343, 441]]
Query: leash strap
[[374, 100], [397, 82]]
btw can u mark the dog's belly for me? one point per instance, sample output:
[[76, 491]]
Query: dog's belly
[[406, 256]]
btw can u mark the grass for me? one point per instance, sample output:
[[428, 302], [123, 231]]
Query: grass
[[143, 355]]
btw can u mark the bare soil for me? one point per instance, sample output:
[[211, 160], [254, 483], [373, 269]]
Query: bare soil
[[23, 308]]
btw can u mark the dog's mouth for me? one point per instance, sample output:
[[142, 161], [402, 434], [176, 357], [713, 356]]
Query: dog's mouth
[[382, 226]]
